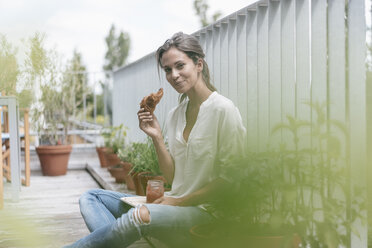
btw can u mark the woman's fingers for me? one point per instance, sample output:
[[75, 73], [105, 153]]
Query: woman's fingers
[[140, 110], [159, 200], [145, 117]]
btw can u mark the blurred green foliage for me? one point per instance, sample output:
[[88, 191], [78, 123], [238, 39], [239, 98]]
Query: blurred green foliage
[[12, 82], [19, 231], [294, 188], [201, 8]]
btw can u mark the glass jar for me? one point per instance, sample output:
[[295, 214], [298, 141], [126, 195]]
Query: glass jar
[[154, 190]]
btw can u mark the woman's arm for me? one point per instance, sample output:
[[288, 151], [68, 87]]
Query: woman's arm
[[150, 125], [166, 162], [206, 194]]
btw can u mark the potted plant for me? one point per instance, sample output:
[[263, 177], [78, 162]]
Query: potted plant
[[114, 139], [50, 120], [292, 194], [56, 104], [145, 165], [101, 150], [124, 167]]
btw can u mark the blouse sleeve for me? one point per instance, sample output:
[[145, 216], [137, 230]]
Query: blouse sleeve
[[231, 139]]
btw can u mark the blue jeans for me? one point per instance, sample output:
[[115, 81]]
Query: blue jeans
[[111, 221]]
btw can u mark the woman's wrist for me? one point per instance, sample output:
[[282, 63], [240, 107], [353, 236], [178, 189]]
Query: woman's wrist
[[183, 201], [157, 138]]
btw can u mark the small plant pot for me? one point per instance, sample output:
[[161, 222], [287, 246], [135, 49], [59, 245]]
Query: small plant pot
[[101, 156], [128, 178], [118, 172], [111, 158], [137, 184]]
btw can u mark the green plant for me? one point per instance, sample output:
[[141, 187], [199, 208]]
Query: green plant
[[13, 80], [142, 156], [295, 188], [114, 137]]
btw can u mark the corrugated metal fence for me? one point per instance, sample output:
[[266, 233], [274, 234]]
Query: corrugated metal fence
[[270, 58]]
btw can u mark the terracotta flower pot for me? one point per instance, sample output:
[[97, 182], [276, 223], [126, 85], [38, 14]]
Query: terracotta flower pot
[[137, 184], [118, 173], [54, 159], [101, 156], [128, 178], [111, 158]]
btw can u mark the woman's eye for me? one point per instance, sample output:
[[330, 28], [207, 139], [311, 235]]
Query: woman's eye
[[180, 66], [167, 70]]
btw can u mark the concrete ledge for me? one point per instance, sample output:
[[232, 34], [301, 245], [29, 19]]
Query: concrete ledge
[[105, 180], [79, 157]]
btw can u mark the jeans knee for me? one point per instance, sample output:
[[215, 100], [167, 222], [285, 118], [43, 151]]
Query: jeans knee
[[87, 196], [141, 215]]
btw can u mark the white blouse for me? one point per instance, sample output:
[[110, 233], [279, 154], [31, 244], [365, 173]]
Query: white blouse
[[218, 134]]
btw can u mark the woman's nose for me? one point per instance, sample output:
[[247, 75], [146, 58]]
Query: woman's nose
[[175, 74]]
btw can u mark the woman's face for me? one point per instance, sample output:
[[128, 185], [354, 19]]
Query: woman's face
[[180, 70]]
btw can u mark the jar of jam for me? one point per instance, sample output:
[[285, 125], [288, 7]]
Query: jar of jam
[[154, 190]]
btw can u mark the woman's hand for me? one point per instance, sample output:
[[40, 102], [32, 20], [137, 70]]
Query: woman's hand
[[166, 200], [149, 123]]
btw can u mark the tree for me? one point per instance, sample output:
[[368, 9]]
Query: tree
[[201, 7], [76, 80], [116, 56], [9, 70], [12, 81], [117, 49]]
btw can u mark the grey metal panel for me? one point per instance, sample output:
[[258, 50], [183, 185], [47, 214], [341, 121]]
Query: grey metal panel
[[242, 66], [209, 52], [252, 108], [303, 92], [288, 58], [263, 76], [232, 62], [224, 70], [275, 68], [319, 50], [357, 106], [216, 57], [336, 60], [202, 40]]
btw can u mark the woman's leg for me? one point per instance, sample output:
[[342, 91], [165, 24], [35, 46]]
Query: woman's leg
[[169, 224], [101, 207], [118, 234]]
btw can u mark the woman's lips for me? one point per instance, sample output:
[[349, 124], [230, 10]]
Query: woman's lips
[[177, 84]]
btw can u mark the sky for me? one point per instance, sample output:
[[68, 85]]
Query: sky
[[83, 24]]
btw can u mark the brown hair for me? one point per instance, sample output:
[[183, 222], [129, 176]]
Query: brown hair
[[191, 47]]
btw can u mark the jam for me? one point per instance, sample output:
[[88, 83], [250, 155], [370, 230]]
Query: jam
[[154, 190]]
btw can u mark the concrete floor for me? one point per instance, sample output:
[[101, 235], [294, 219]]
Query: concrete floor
[[48, 214]]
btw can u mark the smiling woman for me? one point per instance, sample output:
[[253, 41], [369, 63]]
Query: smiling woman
[[204, 131]]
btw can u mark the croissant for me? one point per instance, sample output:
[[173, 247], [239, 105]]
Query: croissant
[[149, 102]]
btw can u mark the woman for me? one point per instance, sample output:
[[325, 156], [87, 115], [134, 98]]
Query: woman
[[204, 131]]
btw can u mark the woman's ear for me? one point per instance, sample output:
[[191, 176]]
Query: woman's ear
[[200, 65]]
